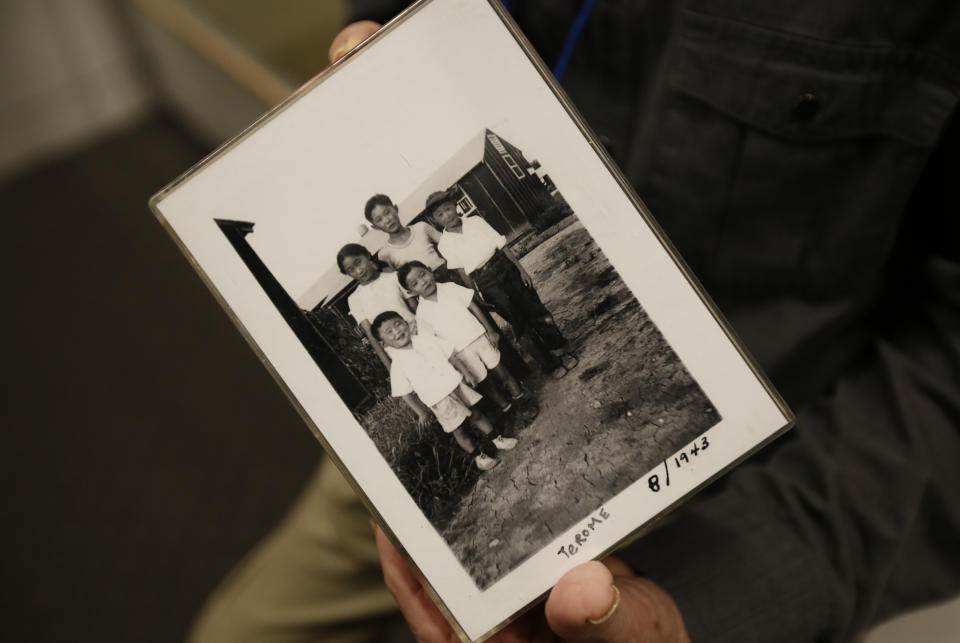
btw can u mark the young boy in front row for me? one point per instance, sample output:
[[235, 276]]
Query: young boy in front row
[[480, 256], [451, 312], [424, 366]]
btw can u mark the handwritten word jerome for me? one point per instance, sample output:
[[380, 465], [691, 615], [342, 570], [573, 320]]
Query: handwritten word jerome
[[599, 518]]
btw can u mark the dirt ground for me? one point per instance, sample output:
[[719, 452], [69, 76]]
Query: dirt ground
[[626, 406]]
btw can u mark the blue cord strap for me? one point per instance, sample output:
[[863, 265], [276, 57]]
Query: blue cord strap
[[563, 61], [570, 42]]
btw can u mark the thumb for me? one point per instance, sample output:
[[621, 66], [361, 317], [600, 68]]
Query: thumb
[[590, 604], [351, 36]]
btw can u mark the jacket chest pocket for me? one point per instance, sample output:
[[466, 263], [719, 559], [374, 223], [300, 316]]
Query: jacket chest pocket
[[785, 162]]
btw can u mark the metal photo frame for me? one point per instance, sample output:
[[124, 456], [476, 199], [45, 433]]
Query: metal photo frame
[[289, 175]]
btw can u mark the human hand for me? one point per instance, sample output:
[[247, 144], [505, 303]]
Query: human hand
[[526, 279], [423, 418], [351, 36], [599, 602], [493, 337]]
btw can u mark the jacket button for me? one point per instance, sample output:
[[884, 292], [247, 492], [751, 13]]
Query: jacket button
[[808, 106]]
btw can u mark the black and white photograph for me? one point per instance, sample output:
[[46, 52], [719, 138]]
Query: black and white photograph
[[471, 311], [499, 363]]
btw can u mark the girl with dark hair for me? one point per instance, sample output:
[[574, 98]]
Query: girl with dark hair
[[377, 291]]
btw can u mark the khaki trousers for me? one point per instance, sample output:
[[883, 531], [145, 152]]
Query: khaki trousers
[[315, 578]]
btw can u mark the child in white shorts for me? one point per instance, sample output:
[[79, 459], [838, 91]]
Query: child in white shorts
[[423, 365], [451, 312]]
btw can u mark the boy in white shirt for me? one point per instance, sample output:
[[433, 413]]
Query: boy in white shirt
[[479, 255], [451, 312], [423, 370], [416, 242]]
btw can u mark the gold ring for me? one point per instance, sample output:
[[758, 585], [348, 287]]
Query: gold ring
[[613, 608]]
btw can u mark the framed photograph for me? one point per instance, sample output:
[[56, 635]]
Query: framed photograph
[[472, 310]]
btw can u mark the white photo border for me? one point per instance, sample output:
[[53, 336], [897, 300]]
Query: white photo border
[[272, 163]]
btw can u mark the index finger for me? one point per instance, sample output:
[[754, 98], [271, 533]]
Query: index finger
[[425, 620]]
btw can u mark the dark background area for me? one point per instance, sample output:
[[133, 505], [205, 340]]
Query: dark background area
[[145, 447]]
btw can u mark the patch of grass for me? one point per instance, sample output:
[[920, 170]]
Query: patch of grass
[[436, 472]]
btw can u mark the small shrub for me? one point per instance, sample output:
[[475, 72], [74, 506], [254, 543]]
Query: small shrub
[[352, 349], [433, 469]]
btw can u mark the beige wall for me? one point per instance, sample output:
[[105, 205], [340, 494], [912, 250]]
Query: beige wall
[[69, 72], [208, 101], [72, 70]]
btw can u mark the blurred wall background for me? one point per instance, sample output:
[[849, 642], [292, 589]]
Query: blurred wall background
[[70, 72], [76, 70], [145, 449]]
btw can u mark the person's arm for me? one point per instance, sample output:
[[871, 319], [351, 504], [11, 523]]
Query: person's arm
[[432, 233], [493, 336], [375, 343], [412, 303], [465, 278], [524, 276], [418, 408]]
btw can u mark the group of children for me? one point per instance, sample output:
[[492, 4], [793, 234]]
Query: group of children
[[416, 303]]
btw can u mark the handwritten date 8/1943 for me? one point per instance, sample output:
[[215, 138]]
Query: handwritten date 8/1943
[[699, 446]]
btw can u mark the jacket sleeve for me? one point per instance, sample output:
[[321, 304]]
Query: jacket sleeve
[[377, 10], [855, 515]]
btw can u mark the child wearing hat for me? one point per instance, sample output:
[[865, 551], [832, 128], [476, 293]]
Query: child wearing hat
[[479, 254]]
